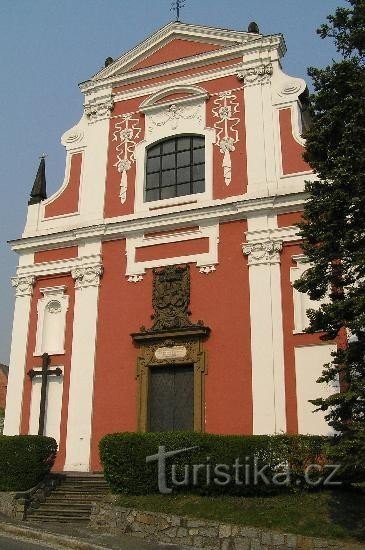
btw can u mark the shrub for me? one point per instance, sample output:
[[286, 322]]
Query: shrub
[[25, 460], [124, 459]]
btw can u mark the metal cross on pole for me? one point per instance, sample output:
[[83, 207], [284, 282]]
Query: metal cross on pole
[[45, 372], [176, 7]]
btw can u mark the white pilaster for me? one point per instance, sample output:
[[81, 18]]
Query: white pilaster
[[24, 290], [87, 280], [268, 384], [95, 164], [259, 128]]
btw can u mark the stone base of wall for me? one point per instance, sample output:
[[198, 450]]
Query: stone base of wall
[[11, 506], [192, 533]]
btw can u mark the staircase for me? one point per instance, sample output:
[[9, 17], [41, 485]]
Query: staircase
[[71, 501]]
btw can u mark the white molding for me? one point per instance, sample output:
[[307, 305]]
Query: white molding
[[309, 361], [75, 137], [263, 252], [154, 101], [257, 74], [285, 234], [23, 285], [53, 411], [82, 374], [301, 300], [166, 121], [57, 267], [18, 353], [135, 270], [267, 346], [98, 108], [213, 73], [127, 134], [227, 111], [87, 276], [56, 295], [206, 269], [241, 42], [221, 210], [258, 125], [286, 89]]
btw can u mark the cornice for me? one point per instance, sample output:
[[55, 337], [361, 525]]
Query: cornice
[[187, 80], [116, 228], [57, 267]]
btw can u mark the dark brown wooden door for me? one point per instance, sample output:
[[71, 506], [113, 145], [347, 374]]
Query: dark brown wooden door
[[171, 398]]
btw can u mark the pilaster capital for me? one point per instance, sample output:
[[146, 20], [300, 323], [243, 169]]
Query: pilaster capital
[[263, 252], [87, 276], [23, 285], [99, 108], [258, 74]]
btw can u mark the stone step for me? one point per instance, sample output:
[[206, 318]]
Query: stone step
[[85, 484], [77, 488], [75, 479], [84, 480], [75, 497], [64, 504], [71, 501], [78, 491], [63, 511], [57, 519]]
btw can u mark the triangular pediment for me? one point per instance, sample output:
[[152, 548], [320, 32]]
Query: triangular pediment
[[175, 49], [174, 42]]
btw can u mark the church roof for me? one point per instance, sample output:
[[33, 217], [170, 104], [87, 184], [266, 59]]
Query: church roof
[[177, 42]]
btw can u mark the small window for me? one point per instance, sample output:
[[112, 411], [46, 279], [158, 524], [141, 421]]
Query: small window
[[175, 167]]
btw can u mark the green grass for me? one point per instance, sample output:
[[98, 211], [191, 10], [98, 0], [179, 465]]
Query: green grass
[[2, 412], [339, 514]]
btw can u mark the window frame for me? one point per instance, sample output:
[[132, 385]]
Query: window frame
[[159, 124], [173, 170]]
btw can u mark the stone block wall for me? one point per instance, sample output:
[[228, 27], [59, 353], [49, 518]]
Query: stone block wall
[[192, 533]]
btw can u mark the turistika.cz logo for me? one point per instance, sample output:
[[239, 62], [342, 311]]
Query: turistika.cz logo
[[251, 472]]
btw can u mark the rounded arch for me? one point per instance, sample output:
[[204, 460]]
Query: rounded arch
[[186, 93]]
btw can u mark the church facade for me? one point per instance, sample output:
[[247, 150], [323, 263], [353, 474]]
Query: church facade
[[158, 278]]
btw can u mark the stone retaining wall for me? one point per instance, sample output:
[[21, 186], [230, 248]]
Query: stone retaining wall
[[191, 533], [8, 504]]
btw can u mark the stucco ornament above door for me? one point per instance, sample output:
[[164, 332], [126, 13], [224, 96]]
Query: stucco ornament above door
[[172, 115], [126, 133], [227, 133]]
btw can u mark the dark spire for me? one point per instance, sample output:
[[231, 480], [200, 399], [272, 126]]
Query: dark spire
[[39, 189], [254, 28]]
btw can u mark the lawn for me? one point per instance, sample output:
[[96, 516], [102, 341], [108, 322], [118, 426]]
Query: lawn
[[339, 514]]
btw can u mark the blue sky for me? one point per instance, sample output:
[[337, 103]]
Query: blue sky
[[48, 46]]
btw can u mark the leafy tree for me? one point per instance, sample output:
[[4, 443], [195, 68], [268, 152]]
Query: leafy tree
[[333, 229]]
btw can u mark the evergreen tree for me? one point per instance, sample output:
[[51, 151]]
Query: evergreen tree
[[333, 229]]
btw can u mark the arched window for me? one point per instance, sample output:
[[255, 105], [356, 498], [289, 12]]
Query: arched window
[[175, 167]]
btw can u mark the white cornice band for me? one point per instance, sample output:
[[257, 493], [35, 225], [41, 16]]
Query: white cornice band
[[116, 228]]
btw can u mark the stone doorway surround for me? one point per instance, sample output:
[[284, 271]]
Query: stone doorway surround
[[172, 340], [179, 347]]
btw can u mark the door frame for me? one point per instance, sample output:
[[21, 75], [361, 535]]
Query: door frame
[[182, 347]]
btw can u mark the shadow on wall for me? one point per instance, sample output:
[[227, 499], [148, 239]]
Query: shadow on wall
[[4, 370]]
